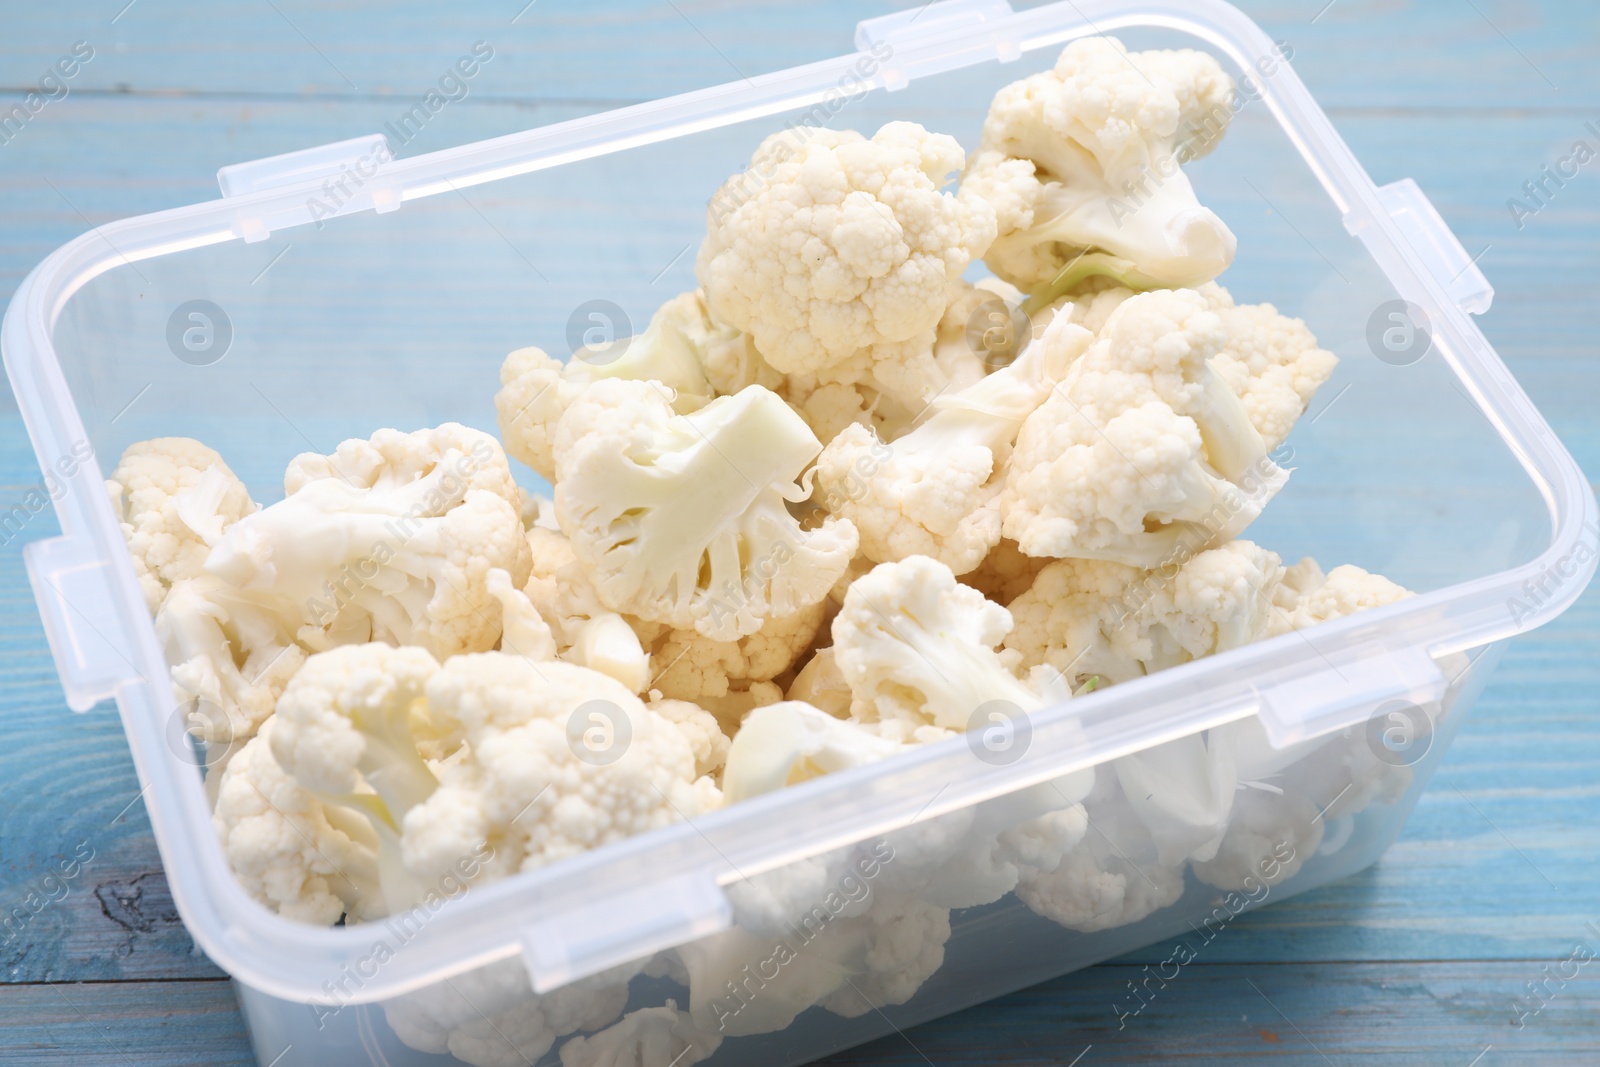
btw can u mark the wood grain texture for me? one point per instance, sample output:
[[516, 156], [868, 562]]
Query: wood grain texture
[[1414, 961]]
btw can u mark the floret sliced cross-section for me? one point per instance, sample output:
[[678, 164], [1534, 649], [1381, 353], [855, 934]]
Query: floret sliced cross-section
[[684, 519]]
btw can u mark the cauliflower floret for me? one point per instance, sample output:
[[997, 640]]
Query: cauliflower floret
[[845, 249], [1183, 792], [558, 760], [856, 942], [228, 657], [679, 349], [932, 492], [587, 632], [1112, 878], [790, 742], [821, 684], [1089, 305], [917, 649], [683, 519], [902, 947], [174, 498], [701, 729], [691, 666], [292, 854], [1271, 361], [1313, 597], [491, 1017], [390, 540], [1143, 449], [1097, 619], [1270, 837], [346, 732], [1082, 166], [649, 1037], [974, 856]]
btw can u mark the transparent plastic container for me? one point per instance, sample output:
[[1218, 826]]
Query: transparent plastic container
[[345, 291]]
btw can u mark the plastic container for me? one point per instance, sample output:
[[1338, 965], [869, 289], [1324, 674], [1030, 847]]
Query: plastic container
[[345, 291]]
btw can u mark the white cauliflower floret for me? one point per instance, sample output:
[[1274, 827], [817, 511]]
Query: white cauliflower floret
[[791, 742], [844, 247], [389, 540], [558, 760], [1269, 838], [536, 388], [228, 657], [345, 731], [860, 937], [1183, 792], [1082, 166], [917, 649], [649, 1037], [491, 1017], [903, 946], [292, 854], [1271, 361], [586, 632], [1310, 597], [1088, 305], [683, 519], [821, 684], [174, 498], [1112, 878], [974, 856], [691, 666], [1142, 449], [933, 491], [701, 729]]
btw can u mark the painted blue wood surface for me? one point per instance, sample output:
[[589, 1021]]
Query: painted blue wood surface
[[1415, 961]]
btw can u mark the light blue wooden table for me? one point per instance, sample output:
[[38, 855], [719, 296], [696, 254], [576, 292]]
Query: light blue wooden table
[[1416, 961]]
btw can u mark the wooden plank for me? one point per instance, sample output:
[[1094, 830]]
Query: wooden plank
[[1401, 1014], [1494, 54], [127, 1024]]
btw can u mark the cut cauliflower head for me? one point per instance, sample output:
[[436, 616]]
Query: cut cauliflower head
[[1143, 452], [389, 540], [831, 245], [853, 952], [1092, 619], [558, 760], [1272, 362], [1307, 596], [691, 666], [683, 519], [304, 861], [1112, 878], [174, 498], [228, 657], [491, 1017], [933, 492], [918, 651], [681, 348], [586, 632], [791, 742], [346, 732], [1081, 164], [701, 729]]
